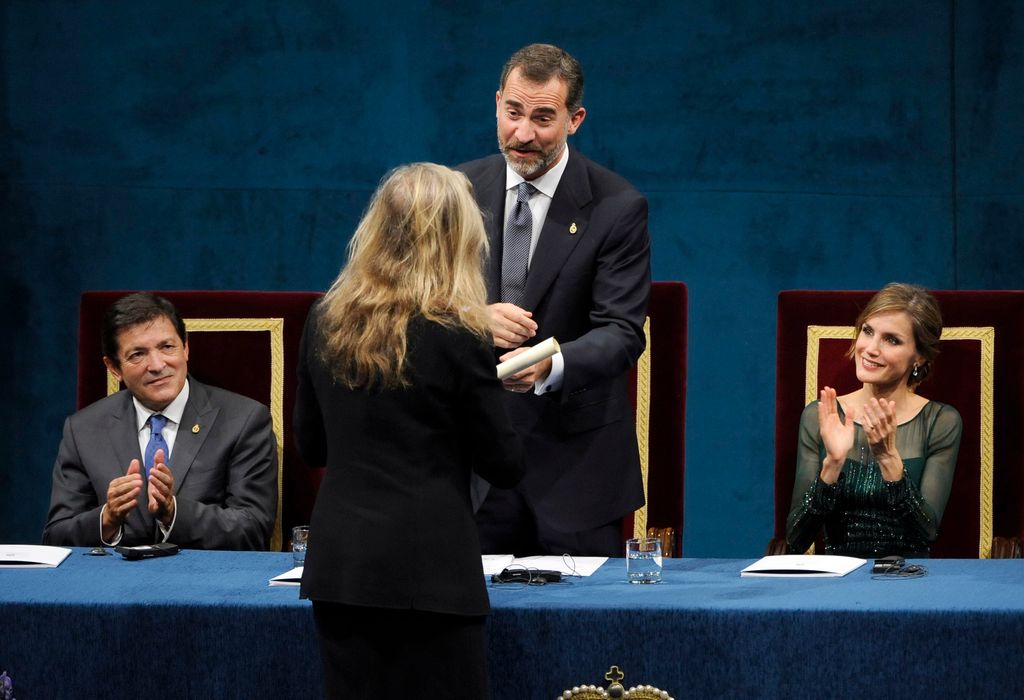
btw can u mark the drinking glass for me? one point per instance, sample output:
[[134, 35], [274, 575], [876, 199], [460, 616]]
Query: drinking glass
[[643, 560], [300, 541]]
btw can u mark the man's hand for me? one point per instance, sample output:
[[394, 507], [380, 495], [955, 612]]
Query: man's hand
[[511, 326], [523, 381], [121, 499], [161, 490]]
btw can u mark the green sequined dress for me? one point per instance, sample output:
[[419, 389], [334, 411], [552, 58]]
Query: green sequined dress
[[864, 515]]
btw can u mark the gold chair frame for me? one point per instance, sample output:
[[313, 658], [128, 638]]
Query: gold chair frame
[[986, 335], [643, 414]]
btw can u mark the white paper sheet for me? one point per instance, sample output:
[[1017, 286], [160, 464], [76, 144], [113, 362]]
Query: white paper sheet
[[292, 577], [494, 563], [30, 556], [802, 565]]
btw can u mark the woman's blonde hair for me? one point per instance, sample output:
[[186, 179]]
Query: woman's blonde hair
[[418, 251], [925, 318]]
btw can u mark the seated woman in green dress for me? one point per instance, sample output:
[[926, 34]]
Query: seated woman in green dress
[[875, 466]]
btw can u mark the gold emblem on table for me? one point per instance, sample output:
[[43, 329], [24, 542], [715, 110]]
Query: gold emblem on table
[[615, 690]]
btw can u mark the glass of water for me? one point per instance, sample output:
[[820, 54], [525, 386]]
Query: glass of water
[[300, 541], [643, 560]]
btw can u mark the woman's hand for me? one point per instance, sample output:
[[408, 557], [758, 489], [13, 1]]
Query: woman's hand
[[880, 429], [837, 436]]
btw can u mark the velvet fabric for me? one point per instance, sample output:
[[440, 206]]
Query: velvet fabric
[[238, 361], [205, 624], [781, 146], [229, 359], [667, 310], [186, 626], [955, 380]]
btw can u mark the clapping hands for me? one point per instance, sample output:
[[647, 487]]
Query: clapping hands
[[878, 418], [836, 435]]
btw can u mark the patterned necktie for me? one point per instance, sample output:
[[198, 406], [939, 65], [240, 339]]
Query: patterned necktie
[[515, 257], [156, 440]]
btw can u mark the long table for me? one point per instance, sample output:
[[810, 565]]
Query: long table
[[207, 625]]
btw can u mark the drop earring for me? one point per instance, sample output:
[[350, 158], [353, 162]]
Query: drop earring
[[914, 372]]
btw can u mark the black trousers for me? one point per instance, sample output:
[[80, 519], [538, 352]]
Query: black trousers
[[381, 652], [507, 525]]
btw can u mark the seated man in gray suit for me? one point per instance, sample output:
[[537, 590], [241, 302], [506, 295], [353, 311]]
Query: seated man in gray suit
[[168, 459]]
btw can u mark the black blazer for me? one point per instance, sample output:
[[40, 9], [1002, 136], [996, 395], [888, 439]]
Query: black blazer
[[588, 285], [392, 525]]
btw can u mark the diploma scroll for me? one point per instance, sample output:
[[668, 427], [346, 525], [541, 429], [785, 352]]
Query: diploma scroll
[[530, 357]]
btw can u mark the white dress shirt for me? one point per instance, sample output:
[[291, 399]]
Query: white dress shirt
[[173, 413], [546, 185]]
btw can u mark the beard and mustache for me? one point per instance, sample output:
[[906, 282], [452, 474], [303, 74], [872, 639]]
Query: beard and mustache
[[532, 165]]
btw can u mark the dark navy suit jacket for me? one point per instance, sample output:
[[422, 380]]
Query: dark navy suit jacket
[[588, 286]]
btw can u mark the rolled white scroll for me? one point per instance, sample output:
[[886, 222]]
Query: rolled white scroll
[[529, 357]]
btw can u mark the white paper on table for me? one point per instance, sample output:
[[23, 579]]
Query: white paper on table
[[567, 565], [803, 565], [495, 563], [527, 358], [31, 556], [292, 577]]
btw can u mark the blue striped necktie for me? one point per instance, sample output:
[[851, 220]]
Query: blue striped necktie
[[156, 440], [515, 256]]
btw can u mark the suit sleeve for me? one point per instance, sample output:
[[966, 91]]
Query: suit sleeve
[[74, 517], [308, 421], [494, 448], [620, 290], [245, 517]]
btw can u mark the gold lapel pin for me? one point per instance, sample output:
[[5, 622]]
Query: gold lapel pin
[[572, 228], [195, 428]]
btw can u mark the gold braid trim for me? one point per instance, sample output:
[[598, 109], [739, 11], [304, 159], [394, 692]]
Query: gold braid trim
[[815, 334], [643, 411], [986, 335], [275, 327]]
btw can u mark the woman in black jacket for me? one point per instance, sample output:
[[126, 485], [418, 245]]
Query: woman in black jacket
[[398, 397]]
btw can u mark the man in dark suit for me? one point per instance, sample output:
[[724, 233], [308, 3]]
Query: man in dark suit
[[570, 258], [168, 459]]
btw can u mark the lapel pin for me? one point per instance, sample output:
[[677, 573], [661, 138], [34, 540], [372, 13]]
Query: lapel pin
[[572, 229], [195, 428]]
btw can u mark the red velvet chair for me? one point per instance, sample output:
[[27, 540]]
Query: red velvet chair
[[979, 371], [233, 332], [659, 397], [246, 342]]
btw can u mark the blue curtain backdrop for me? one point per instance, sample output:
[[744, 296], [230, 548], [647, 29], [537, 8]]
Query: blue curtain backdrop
[[234, 145]]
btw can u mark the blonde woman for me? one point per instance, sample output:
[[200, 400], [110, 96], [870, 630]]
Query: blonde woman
[[398, 397], [875, 466]]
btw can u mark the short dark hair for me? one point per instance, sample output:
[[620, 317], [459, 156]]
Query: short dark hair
[[132, 310], [540, 63]]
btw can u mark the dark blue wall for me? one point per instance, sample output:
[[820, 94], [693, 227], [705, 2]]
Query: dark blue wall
[[233, 145]]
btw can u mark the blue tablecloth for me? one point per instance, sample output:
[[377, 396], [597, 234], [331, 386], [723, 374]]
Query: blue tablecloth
[[705, 632], [206, 624], [195, 625]]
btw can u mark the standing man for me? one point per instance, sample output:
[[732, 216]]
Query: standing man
[[168, 459], [570, 258]]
